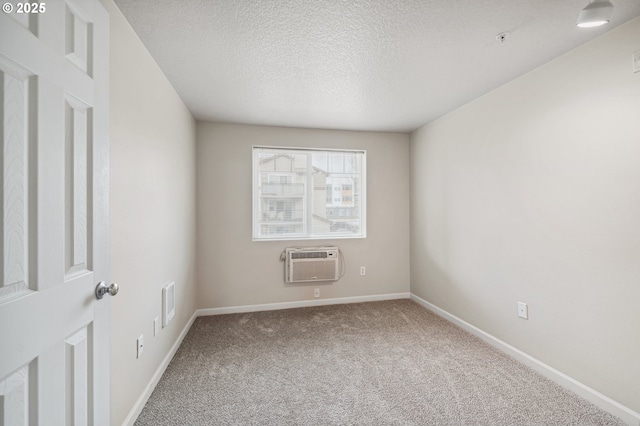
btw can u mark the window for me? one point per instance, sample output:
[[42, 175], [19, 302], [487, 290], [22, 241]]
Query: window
[[294, 194]]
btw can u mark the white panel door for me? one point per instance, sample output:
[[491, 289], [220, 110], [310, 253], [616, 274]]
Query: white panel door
[[54, 333]]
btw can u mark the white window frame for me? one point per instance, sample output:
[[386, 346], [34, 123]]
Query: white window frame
[[308, 235]]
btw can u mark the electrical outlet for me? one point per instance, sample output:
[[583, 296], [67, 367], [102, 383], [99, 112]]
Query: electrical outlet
[[363, 270], [636, 61], [156, 326], [316, 292], [140, 346], [523, 311]]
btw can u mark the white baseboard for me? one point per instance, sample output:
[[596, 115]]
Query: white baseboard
[[299, 304], [140, 403], [627, 415]]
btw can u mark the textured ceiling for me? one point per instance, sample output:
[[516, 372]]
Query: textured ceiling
[[386, 65]]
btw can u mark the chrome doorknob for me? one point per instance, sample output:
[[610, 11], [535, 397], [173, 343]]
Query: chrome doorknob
[[103, 289]]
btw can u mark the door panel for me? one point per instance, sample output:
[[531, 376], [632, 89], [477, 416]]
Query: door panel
[[14, 258], [77, 390], [14, 398], [54, 364], [77, 187]]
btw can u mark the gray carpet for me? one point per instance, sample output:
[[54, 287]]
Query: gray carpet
[[378, 363]]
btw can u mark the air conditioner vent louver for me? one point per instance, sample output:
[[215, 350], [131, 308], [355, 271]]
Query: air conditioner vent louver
[[309, 255], [312, 264]]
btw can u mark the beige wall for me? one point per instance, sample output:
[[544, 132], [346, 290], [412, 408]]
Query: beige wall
[[532, 193], [233, 270], [152, 212]]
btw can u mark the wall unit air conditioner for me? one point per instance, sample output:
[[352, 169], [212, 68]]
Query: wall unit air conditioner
[[312, 264]]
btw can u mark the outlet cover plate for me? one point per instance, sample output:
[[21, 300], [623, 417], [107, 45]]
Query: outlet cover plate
[[636, 61], [168, 303], [140, 343], [523, 311]]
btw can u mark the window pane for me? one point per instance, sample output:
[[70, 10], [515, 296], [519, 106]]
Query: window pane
[[308, 194]]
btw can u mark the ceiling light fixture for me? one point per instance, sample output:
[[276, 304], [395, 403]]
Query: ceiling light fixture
[[597, 12]]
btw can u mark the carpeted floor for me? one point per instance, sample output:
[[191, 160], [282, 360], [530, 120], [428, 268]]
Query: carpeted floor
[[377, 363]]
